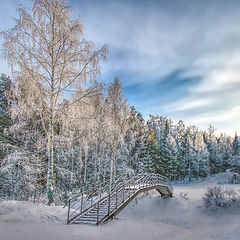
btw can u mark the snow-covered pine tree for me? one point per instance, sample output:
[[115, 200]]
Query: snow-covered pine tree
[[167, 149], [182, 149], [214, 161], [228, 152], [236, 145], [201, 154], [137, 140], [188, 156], [224, 152], [235, 161], [6, 140]]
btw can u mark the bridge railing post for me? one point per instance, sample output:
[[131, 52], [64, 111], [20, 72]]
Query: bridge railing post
[[97, 212], [109, 197], [69, 207], [116, 198], [129, 189], [147, 181], [123, 192], [81, 203]]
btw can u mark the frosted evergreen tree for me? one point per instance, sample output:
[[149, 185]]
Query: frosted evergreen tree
[[188, 156], [227, 153], [224, 152], [235, 161], [6, 140], [201, 155], [173, 164], [182, 146], [137, 140], [211, 141], [236, 145], [155, 165], [167, 149]]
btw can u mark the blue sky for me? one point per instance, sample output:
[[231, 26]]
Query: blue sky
[[177, 58]]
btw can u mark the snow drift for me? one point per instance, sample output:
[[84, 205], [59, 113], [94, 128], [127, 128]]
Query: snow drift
[[147, 217]]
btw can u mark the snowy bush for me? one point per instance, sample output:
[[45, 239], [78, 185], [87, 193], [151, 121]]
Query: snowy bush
[[218, 197]]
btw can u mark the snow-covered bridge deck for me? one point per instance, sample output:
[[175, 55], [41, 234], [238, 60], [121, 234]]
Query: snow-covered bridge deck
[[100, 208]]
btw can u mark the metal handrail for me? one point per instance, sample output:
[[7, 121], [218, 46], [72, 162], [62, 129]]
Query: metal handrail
[[87, 194], [101, 184]]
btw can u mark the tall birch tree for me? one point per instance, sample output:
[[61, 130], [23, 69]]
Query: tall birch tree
[[50, 58]]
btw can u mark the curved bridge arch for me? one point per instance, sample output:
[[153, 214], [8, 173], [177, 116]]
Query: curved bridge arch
[[100, 208]]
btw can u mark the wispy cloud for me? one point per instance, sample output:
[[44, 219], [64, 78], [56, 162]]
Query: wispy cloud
[[176, 58], [151, 40]]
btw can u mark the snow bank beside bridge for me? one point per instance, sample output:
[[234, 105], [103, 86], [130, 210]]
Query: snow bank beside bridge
[[147, 217]]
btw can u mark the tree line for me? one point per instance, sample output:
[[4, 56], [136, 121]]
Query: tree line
[[99, 138]]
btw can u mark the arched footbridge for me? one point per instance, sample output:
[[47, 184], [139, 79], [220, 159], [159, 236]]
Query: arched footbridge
[[100, 206]]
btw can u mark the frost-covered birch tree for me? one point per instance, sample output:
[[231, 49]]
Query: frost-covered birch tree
[[49, 58]]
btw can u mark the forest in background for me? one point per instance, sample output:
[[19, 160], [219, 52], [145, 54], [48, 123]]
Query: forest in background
[[62, 129], [100, 138]]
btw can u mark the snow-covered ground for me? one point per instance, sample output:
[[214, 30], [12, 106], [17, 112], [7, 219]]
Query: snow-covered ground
[[148, 217]]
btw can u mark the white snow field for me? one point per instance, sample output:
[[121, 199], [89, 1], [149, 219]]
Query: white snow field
[[148, 217]]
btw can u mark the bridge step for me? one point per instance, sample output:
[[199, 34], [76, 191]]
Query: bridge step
[[90, 217], [85, 222]]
